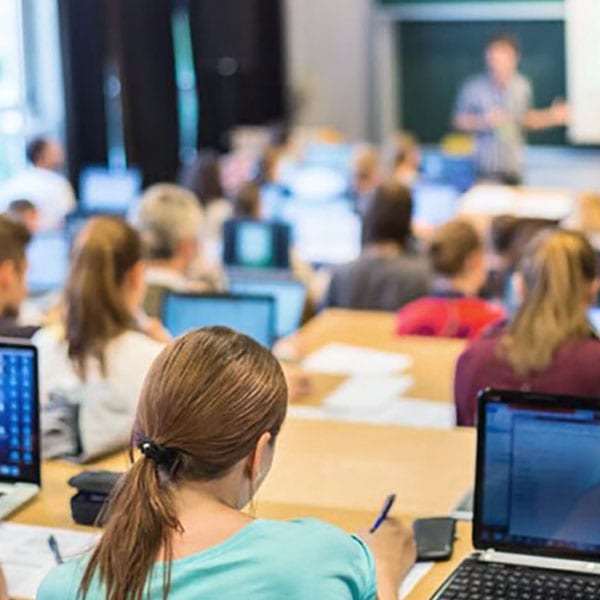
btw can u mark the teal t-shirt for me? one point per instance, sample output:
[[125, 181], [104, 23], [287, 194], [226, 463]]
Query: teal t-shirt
[[266, 560]]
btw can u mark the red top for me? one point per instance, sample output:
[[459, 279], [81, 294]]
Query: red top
[[450, 316]]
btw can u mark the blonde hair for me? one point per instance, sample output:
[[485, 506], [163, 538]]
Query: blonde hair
[[557, 269], [586, 217]]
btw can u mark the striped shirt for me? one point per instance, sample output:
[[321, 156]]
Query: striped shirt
[[498, 151]]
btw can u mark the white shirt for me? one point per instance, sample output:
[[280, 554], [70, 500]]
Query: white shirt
[[128, 359], [51, 193]]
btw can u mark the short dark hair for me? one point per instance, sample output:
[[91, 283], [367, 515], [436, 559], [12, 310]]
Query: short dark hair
[[35, 148], [247, 201], [388, 218], [505, 38], [20, 206], [14, 238]]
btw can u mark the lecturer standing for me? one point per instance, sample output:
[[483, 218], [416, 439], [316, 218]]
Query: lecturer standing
[[497, 106]]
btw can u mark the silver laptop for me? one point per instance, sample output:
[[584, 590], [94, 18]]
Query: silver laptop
[[536, 523], [19, 425]]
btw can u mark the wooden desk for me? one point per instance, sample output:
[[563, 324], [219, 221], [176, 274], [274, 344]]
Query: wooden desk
[[434, 358], [338, 472]]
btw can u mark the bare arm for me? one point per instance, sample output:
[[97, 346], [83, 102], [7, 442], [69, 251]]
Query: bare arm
[[394, 549], [3, 586], [556, 115]]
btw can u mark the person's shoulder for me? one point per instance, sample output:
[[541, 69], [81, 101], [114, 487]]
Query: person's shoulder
[[49, 338], [62, 583], [475, 82], [331, 550], [135, 343]]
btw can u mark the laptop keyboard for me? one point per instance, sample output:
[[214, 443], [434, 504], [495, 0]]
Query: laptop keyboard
[[475, 580]]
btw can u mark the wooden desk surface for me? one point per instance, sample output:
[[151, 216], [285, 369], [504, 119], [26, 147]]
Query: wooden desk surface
[[434, 358], [338, 472]]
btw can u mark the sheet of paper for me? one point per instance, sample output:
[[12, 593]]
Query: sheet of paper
[[368, 399], [413, 578], [367, 393], [344, 359], [26, 557]]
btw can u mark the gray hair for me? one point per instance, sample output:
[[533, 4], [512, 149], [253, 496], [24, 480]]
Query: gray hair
[[167, 215]]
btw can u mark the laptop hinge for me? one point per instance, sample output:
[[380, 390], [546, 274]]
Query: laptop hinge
[[540, 562]]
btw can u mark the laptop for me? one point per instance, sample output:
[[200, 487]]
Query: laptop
[[434, 203], [20, 477], [47, 261], [253, 316], [536, 523], [289, 295], [256, 244], [111, 191]]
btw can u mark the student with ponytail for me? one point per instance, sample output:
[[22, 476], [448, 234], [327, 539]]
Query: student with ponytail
[[549, 345], [102, 340], [203, 443]]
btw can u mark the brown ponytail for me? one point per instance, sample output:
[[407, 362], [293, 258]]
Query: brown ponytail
[[105, 251], [206, 401]]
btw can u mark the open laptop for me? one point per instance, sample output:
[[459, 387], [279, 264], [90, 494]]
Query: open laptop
[[20, 478], [112, 191], [536, 525], [253, 316], [47, 261], [289, 294], [256, 244]]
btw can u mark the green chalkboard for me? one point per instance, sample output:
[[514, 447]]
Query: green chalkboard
[[435, 58]]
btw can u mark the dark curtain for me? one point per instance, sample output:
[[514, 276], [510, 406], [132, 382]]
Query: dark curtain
[[250, 33], [149, 91], [83, 48]]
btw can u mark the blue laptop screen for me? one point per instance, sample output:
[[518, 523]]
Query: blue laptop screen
[[540, 486], [47, 262], [105, 190], [290, 297], [252, 316], [19, 441]]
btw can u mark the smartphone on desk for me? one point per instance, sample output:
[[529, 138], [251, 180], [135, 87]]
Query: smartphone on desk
[[434, 538]]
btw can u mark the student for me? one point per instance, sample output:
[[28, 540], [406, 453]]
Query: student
[[247, 203], [207, 423], [586, 217], [203, 178], [14, 238], [366, 176], [42, 184], [406, 158], [458, 264], [387, 275], [103, 338], [169, 219], [24, 211], [549, 345]]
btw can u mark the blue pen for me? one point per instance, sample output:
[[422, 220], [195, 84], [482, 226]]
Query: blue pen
[[387, 506], [53, 545]]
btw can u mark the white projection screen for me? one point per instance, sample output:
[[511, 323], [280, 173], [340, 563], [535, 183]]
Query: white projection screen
[[583, 69]]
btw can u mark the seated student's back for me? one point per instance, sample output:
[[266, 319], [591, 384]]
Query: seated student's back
[[211, 409], [454, 310], [387, 275], [102, 340], [549, 345]]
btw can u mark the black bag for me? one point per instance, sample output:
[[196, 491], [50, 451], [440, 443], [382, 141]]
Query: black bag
[[93, 489]]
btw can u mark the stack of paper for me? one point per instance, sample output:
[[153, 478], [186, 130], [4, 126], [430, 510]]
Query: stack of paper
[[344, 359], [26, 556]]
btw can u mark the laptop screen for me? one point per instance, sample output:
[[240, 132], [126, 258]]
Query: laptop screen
[[253, 316], [47, 261], [538, 480], [19, 428], [290, 297], [105, 190], [256, 244]]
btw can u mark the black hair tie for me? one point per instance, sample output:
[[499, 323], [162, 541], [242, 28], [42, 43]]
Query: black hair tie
[[168, 458]]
